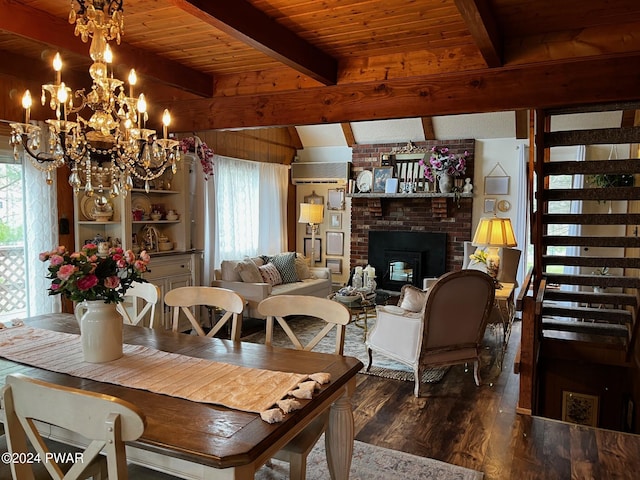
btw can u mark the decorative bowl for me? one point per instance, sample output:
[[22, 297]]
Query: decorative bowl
[[348, 298]]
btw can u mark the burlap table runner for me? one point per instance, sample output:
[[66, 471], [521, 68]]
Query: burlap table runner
[[200, 380]]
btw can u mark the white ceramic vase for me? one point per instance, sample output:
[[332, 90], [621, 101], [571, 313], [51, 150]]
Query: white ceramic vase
[[445, 182], [100, 330]]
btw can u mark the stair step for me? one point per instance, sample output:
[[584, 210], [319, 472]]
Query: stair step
[[623, 166], [598, 136], [605, 193], [608, 315], [603, 298], [611, 262], [587, 328], [582, 241], [592, 218], [593, 280]]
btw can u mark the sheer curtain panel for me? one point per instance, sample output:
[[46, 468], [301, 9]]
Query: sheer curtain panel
[[245, 211]]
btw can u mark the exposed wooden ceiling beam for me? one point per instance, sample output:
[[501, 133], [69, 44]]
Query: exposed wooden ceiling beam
[[40, 26], [296, 141], [546, 86], [246, 23], [522, 124], [427, 128], [348, 134], [484, 30]]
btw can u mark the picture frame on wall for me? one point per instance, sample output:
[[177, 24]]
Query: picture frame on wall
[[580, 408], [317, 250], [489, 205], [335, 265], [335, 243], [496, 185], [335, 199], [335, 220]]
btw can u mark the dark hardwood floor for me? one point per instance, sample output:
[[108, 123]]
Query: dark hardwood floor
[[478, 427]]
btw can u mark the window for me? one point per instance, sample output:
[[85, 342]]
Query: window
[[13, 289], [28, 226], [250, 208]]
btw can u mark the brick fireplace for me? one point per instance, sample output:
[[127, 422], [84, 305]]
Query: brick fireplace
[[437, 214]]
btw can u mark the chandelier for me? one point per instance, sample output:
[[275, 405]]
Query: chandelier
[[102, 135]]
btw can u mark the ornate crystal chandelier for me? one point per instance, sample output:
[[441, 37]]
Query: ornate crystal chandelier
[[102, 135]]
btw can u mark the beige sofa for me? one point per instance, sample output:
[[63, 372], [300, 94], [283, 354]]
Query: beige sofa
[[233, 274]]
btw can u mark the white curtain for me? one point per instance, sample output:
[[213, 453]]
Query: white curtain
[[41, 234], [245, 211], [521, 225]]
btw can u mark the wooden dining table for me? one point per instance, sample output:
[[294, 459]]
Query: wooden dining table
[[194, 440]]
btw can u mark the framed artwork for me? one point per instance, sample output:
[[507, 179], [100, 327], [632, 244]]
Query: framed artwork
[[489, 205], [380, 176], [335, 220], [335, 265], [317, 253], [314, 198], [496, 185], [336, 199], [335, 243], [580, 408]]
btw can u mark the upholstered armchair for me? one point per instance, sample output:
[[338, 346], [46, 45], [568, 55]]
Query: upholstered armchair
[[509, 261], [440, 327]]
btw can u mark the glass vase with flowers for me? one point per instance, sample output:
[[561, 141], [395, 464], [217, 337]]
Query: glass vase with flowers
[[97, 283]]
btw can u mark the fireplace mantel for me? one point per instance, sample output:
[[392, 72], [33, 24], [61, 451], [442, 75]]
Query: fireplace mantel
[[410, 195]]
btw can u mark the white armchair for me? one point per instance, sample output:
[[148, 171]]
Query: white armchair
[[443, 326]]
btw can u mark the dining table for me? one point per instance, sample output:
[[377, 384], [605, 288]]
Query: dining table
[[202, 440]]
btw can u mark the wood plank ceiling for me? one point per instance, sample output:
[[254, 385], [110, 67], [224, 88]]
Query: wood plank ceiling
[[251, 63]]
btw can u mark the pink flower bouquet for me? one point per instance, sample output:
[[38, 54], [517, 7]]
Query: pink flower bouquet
[[84, 275]]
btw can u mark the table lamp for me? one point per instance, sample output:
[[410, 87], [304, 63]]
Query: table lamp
[[494, 232], [312, 214]]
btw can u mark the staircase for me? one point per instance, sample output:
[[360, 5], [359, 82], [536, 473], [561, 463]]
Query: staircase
[[580, 313]]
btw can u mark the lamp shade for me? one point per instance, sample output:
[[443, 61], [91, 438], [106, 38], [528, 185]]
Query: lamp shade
[[495, 232], [311, 213]]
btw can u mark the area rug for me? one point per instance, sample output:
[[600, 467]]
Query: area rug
[[306, 328], [373, 463]]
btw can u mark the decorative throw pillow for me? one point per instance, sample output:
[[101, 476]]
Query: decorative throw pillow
[[302, 267], [228, 271], [413, 299], [249, 272], [286, 265], [270, 274]]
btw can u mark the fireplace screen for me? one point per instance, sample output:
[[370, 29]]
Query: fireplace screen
[[402, 258]]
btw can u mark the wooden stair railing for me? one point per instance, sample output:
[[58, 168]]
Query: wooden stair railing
[[602, 308]]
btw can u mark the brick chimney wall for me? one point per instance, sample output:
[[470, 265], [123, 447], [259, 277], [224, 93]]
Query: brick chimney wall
[[411, 214]]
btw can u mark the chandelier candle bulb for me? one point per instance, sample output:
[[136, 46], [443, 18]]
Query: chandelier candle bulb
[[26, 104], [166, 121], [108, 57], [132, 81], [57, 66]]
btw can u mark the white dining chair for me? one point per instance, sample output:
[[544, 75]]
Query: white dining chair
[[145, 292], [183, 299], [336, 316], [106, 422]]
